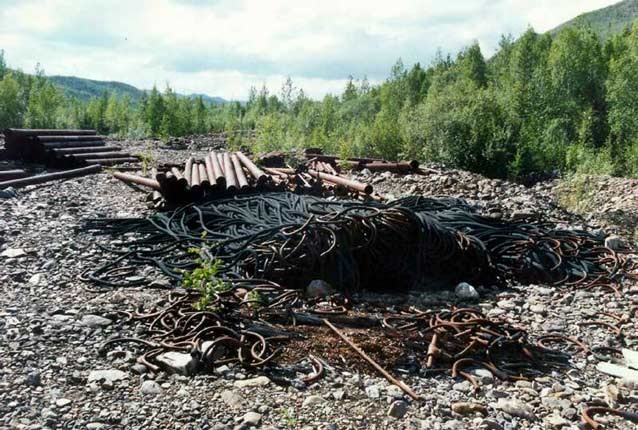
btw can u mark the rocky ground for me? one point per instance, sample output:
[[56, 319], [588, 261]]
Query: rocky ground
[[51, 326]]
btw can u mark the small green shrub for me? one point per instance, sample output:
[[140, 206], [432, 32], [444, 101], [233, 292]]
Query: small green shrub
[[204, 280]]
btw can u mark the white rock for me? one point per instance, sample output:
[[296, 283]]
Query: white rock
[[177, 362], [60, 403], [538, 309], [232, 398], [631, 358], [13, 253], [37, 279], [466, 291], [372, 392], [95, 321], [150, 388], [252, 418], [618, 371], [259, 381], [394, 392], [516, 408], [311, 401], [507, 305], [109, 375]]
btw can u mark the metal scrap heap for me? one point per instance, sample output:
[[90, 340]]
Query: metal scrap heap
[[223, 174], [266, 248]]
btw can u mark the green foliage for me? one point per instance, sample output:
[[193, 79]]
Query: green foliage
[[289, 417], [203, 279], [10, 106]]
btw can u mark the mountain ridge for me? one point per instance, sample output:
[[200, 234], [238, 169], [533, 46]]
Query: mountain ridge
[[85, 89], [605, 21]]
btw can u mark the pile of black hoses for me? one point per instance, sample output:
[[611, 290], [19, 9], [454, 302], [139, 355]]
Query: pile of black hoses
[[292, 239]]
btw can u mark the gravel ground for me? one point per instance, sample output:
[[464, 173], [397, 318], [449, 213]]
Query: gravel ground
[[51, 325]]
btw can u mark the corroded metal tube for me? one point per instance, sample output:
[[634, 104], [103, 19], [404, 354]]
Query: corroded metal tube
[[40, 179], [353, 185], [135, 179], [239, 172], [260, 176], [229, 173]]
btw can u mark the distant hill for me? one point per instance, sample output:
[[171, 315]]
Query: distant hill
[[84, 89], [606, 21]]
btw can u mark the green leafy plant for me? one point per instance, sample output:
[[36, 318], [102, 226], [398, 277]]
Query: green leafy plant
[[254, 299], [147, 159], [289, 417], [203, 279]]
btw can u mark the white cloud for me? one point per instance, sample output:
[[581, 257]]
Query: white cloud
[[223, 47]]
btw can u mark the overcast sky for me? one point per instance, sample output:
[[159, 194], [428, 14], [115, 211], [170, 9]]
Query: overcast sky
[[222, 47]]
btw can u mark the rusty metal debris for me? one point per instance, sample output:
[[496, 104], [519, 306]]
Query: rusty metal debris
[[407, 390], [269, 246], [588, 415]]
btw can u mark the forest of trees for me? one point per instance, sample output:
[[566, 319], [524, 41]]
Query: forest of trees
[[540, 104]]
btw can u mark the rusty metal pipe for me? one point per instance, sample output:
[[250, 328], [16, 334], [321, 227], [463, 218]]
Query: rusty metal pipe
[[181, 180], [218, 171], [239, 172], [282, 170], [47, 132], [111, 161], [135, 179], [210, 173], [229, 171], [353, 185], [260, 176], [220, 160], [195, 179], [188, 170], [196, 185], [203, 177], [55, 145], [6, 175], [84, 150], [40, 179], [278, 172], [46, 139], [102, 155]]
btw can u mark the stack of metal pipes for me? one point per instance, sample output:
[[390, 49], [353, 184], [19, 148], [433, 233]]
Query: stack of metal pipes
[[218, 173], [64, 148], [222, 174]]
